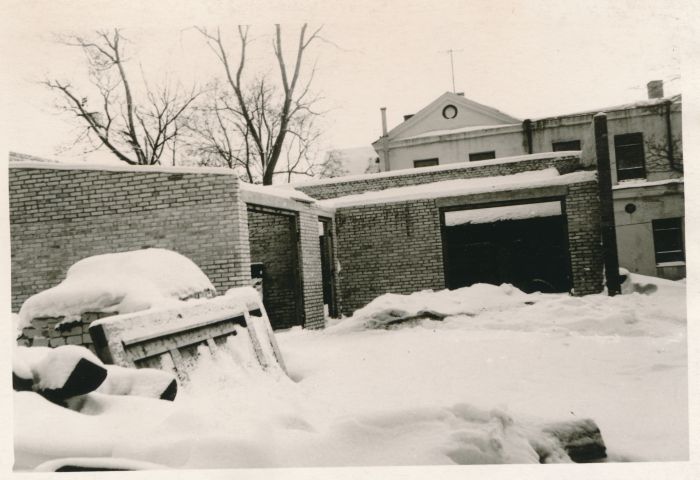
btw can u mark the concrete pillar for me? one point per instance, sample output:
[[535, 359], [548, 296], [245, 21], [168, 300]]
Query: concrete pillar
[[385, 141], [607, 214]]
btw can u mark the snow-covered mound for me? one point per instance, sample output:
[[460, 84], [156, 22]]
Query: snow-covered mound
[[120, 283], [391, 309], [650, 306], [487, 384]]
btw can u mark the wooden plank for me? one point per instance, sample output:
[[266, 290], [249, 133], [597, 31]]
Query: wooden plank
[[175, 330]]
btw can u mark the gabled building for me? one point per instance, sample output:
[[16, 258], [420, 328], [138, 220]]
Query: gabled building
[[645, 144]]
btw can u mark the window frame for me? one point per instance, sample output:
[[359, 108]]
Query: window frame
[[427, 162], [666, 226], [485, 152], [566, 142], [625, 146]]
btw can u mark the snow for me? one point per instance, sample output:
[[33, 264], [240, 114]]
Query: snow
[[277, 191], [119, 167], [475, 387], [471, 128], [438, 168], [644, 183], [119, 282], [144, 382], [19, 324], [54, 368], [509, 212], [97, 463], [469, 186]]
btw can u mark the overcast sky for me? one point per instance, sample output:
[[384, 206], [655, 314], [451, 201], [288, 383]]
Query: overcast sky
[[528, 59]]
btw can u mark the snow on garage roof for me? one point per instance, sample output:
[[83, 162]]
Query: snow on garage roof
[[468, 186], [438, 168], [278, 191]]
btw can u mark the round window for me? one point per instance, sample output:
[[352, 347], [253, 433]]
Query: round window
[[449, 112]]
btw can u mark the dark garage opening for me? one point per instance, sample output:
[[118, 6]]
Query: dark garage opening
[[524, 245], [325, 238], [274, 252]]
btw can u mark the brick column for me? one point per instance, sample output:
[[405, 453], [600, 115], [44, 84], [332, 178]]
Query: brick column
[[311, 272]]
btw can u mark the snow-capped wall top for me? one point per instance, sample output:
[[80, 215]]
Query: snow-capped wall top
[[437, 168], [467, 186], [119, 282], [277, 191]]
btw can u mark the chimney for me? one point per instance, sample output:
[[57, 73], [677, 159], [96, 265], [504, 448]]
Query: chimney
[[384, 129], [655, 89], [406, 117]]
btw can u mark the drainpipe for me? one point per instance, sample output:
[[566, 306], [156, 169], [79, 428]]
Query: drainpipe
[[385, 141], [527, 128], [607, 214], [669, 139]]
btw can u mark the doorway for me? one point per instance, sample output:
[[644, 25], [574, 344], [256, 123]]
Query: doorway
[[274, 252], [524, 244]]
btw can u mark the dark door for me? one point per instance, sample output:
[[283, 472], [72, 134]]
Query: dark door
[[531, 254], [327, 269]]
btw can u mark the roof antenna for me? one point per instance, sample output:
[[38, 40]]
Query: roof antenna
[[452, 65]]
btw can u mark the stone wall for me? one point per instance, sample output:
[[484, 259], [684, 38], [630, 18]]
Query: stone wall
[[337, 188], [59, 216]]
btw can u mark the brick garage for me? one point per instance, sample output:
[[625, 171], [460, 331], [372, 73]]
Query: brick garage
[[60, 214], [397, 247]]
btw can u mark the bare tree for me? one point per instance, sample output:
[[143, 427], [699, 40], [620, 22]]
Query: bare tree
[[663, 154], [333, 165], [255, 124], [136, 132]]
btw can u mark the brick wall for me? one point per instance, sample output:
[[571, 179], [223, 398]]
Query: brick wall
[[333, 189], [582, 207], [312, 281], [59, 216], [43, 332], [397, 247], [273, 243], [387, 248]]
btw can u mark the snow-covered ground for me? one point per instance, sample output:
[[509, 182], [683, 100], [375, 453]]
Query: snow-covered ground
[[475, 387]]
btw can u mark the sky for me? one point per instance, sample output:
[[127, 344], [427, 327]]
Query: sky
[[528, 59]]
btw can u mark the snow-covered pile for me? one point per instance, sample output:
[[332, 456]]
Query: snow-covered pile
[[505, 307], [480, 386], [392, 309], [120, 283]]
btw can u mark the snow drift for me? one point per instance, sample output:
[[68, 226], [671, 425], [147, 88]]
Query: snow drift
[[494, 381], [120, 283]]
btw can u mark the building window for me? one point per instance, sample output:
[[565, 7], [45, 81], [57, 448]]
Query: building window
[[629, 156], [668, 240], [475, 157], [429, 162], [566, 146]]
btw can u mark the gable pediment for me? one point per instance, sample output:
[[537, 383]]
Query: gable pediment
[[450, 111]]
